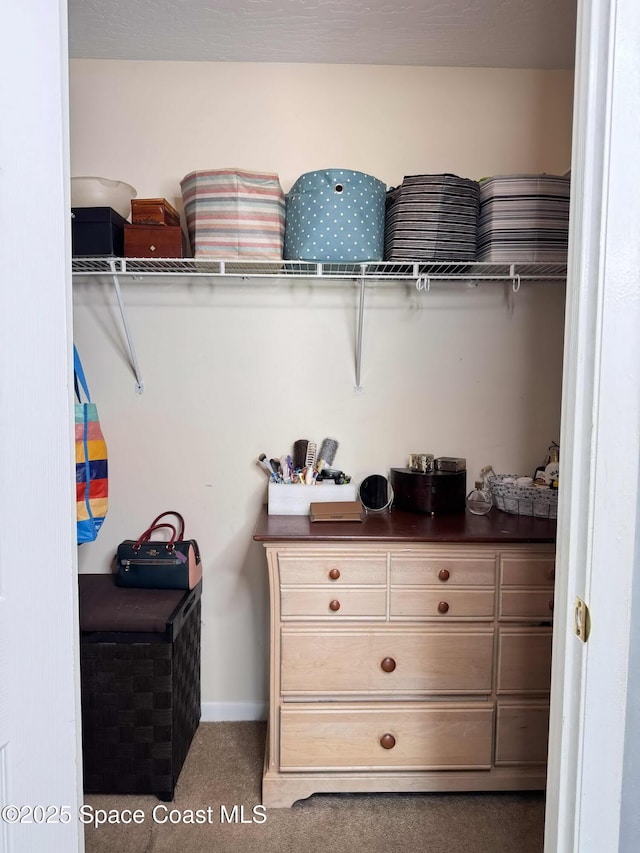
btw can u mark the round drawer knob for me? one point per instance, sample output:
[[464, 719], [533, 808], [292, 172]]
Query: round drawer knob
[[551, 605], [444, 574], [334, 605], [334, 574], [443, 607], [551, 574], [152, 248], [387, 741], [388, 664]]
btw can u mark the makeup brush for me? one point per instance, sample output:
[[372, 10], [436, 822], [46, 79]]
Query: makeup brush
[[264, 463], [328, 450]]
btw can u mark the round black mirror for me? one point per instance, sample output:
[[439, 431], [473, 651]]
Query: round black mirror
[[375, 493]]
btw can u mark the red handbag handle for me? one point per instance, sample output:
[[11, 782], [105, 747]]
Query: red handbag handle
[[146, 536], [180, 535]]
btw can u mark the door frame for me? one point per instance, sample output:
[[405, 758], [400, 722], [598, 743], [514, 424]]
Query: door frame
[[40, 750], [600, 441], [596, 537]]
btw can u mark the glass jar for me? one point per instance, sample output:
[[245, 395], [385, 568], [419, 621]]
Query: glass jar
[[478, 501]]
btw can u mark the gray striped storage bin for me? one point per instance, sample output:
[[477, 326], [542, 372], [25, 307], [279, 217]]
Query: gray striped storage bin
[[524, 218], [234, 214], [432, 218]]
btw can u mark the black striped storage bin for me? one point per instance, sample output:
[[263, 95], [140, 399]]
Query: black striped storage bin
[[140, 685], [524, 218], [432, 218]]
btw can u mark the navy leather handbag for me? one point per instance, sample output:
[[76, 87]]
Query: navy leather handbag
[[172, 563]]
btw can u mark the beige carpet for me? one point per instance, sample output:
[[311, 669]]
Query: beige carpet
[[224, 767]]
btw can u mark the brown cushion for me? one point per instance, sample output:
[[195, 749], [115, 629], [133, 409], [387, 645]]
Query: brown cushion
[[107, 607]]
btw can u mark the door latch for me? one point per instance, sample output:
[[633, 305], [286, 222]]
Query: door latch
[[581, 620]]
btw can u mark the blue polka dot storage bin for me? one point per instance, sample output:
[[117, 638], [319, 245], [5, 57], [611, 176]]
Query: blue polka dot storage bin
[[333, 216]]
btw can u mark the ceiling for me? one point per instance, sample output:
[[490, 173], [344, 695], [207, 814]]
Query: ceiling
[[471, 33]]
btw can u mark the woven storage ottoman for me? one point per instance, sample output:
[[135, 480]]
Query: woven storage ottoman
[[140, 685]]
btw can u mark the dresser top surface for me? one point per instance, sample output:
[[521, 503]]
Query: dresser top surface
[[396, 526]]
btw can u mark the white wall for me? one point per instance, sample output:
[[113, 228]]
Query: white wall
[[231, 371]]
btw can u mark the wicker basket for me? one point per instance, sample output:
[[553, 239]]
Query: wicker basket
[[522, 500]]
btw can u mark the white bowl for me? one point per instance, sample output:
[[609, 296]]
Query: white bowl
[[102, 192]]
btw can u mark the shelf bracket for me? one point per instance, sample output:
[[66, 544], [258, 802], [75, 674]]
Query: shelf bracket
[[132, 350], [363, 282]]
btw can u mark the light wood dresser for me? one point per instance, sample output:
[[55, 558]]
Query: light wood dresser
[[408, 653]]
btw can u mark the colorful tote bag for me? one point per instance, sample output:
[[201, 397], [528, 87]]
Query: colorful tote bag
[[91, 461], [234, 214], [335, 215]]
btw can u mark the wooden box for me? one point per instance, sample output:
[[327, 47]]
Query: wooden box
[[434, 492], [153, 241], [153, 211]]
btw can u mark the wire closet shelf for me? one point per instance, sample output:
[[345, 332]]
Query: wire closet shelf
[[422, 273]]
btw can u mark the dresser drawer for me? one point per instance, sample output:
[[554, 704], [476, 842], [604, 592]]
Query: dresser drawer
[[335, 567], [443, 604], [392, 737], [524, 660], [526, 603], [527, 570], [522, 733], [385, 661], [443, 570], [332, 603]]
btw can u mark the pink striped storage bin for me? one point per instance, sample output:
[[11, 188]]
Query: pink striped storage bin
[[234, 214]]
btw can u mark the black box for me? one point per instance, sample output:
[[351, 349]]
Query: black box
[[140, 685], [97, 231], [437, 492]]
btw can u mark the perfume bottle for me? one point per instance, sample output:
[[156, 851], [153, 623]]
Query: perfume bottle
[[478, 501]]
